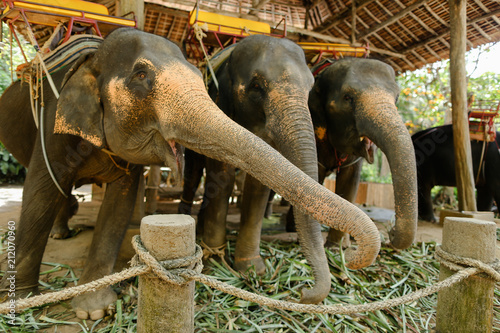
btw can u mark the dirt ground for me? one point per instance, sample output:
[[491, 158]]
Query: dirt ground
[[76, 248]]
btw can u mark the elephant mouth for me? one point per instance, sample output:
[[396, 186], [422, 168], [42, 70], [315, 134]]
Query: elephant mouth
[[176, 151], [367, 148]]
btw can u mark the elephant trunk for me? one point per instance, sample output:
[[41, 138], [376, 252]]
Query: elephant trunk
[[208, 131], [197, 123], [383, 125], [294, 138]]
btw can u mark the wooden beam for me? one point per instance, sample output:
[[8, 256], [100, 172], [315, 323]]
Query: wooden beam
[[332, 39], [393, 19], [342, 15], [458, 84], [165, 10], [447, 31], [136, 6], [172, 27], [256, 6], [158, 20], [353, 23]]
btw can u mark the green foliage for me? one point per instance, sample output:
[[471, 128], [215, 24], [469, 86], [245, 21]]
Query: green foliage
[[11, 171], [8, 64], [372, 172], [425, 99]]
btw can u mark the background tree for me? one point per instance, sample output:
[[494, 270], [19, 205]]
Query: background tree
[[10, 57]]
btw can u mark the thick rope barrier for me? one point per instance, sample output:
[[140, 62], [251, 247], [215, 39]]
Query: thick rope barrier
[[181, 271]]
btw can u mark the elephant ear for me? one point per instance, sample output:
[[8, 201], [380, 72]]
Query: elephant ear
[[79, 110], [223, 96], [318, 114]]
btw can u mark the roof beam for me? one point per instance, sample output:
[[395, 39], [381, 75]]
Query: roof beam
[[257, 5], [332, 39], [342, 15], [447, 31], [393, 19]]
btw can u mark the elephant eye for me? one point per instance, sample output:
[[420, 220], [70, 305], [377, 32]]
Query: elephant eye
[[347, 98], [255, 86], [141, 75]]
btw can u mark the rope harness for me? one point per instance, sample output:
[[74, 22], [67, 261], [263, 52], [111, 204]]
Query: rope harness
[[184, 270]]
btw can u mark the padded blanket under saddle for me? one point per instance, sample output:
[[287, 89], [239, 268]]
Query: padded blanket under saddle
[[66, 53]]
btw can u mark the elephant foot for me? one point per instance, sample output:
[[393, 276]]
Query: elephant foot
[[243, 264], [428, 218], [335, 238], [15, 291], [94, 305], [60, 232]]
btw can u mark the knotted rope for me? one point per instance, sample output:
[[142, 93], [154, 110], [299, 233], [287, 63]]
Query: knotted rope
[[181, 271], [198, 30]]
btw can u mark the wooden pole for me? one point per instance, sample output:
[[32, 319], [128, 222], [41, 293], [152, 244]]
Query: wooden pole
[[136, 6], [153, 183], [165, 307], [468, 305], [458, 83]]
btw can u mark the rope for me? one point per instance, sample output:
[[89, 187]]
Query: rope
[[199, 35], [184, 270], [219, 251]]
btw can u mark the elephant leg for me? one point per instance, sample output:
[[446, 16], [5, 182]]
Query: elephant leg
[[484, 198], [290, 221], [346, 186], [194, 164], [269, 205], [247, 251], [60, 229], [139, 204], [42, 201], [112, 221], [425, 210], [218, 188]]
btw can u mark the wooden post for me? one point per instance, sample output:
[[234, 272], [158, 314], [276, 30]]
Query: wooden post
[[165, 307], [154, 178], [136, 6], [139, 207], [467, 306], [458, 84]]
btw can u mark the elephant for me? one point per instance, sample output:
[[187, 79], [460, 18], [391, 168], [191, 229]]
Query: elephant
[[435, 159], [353, 107], [263, 84], [135, 101]]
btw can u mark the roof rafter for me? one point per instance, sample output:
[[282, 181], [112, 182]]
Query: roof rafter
[[393, 19]]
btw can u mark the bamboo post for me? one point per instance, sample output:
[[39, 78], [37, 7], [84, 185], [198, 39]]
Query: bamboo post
[[165, 307], [458, 84], [468, 305]]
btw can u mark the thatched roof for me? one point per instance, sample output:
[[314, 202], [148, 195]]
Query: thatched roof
[[407, 34]]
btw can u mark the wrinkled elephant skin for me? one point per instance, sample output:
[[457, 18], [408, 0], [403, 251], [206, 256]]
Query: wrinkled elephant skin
[[139, 98], [353, 105], [263, 85]]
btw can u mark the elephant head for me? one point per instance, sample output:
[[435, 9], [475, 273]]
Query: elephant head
[[145, 101], [352, 103]]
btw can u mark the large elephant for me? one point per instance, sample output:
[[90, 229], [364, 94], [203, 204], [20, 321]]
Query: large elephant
[[353, 105], [435, 158], [263, 85], [135, 101]]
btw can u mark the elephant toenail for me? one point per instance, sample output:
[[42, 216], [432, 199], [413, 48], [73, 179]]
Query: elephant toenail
[[97, 314], [82, 314]]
